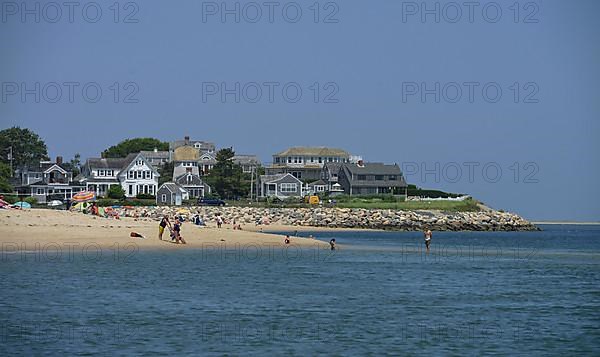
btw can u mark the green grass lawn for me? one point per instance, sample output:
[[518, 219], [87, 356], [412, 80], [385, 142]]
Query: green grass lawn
[[467, 205]]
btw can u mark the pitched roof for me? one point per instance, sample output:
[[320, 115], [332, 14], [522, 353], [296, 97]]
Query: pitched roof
[[373, 168], [246, 159], [205, 145], [275, 177], [172, 186], [313, 151], [194, 180], [45, 165], [111, 163], [318, 183], [155, 154]]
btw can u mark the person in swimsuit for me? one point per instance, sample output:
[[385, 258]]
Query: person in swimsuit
[[427, 235], [287, 239], [177, 232], [332, 243], [162, 225]]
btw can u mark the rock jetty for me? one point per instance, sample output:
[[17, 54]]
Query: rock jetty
[[488, 220]]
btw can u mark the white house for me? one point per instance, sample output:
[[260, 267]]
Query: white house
[[135, 174]]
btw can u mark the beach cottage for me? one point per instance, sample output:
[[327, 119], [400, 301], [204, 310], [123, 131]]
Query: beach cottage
[[171, 194], [370, 178], [281, 186]]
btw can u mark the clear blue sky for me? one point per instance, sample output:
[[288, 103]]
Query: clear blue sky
[[373, 53]]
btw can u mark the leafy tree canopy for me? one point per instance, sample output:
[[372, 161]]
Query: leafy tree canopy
[[166, 173], [129, 146], [27, 146], [226, 177], [5, 186]]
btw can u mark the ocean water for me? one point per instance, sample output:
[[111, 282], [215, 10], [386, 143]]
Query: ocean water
[[508, 293]]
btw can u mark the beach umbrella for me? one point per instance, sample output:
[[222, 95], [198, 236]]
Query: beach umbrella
[[54, 203], [84, 196], [22, 204]]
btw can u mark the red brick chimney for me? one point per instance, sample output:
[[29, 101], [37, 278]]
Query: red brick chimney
[[187, 140]]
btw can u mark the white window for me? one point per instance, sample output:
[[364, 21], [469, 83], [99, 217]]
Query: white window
[[131, 175], [100, 172], [130, 190], [40, 191], [288, 187], [163, 198]]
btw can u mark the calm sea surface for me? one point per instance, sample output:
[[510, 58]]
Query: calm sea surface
[[528, 293]]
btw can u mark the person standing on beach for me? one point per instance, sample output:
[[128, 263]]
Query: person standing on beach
[[162, 225], [427, 235], [287, 239], [219, 221]]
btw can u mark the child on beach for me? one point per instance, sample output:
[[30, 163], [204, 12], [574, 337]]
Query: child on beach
[[287, 239]]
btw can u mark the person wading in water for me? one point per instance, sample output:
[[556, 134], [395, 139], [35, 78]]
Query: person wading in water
[[427, 235]]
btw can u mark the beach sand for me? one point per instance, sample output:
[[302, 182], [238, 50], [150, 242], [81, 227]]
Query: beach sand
[[26, 228]]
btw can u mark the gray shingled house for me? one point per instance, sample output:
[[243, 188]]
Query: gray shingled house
[[370, 178], [280, 185], [171, 194]]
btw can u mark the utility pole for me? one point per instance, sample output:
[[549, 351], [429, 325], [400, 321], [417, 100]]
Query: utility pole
[[251, 181]]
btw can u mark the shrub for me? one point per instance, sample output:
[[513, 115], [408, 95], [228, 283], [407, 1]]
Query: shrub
[[11, 199], [116, 192], [106, 202], [139, 202], [31, 200], [145, 196]]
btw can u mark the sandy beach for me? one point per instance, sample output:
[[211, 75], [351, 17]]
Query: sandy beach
[[26, 228]]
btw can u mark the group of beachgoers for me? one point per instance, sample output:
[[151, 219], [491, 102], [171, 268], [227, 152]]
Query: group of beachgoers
[[174, 229]]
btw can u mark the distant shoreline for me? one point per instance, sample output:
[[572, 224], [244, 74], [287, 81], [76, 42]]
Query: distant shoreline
[[566, 223]]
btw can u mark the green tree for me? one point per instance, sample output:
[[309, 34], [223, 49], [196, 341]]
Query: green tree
[[226, 177], [166, 173], [75, 164], [27, 146], [116, 192], [129, 146], [5, 186]]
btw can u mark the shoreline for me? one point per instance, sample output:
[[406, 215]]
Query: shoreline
[[30, 228], [23, 230]]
